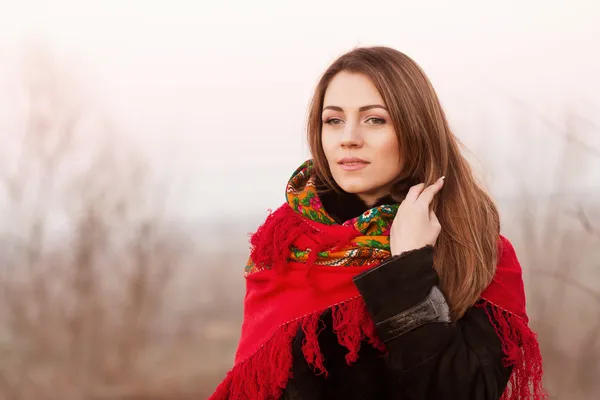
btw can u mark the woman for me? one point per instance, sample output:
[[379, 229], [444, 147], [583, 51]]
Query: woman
[[379, 278]]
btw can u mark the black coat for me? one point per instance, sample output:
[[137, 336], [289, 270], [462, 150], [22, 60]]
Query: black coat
[[429, 356]]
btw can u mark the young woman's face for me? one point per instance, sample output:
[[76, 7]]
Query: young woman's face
[[358, 138]]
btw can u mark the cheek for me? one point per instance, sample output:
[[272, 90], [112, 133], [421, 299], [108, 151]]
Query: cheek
[[388, 148], [328, 145]]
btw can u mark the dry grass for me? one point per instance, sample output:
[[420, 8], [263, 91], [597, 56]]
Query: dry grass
[[108, 301], [99, 294], [558, 241]]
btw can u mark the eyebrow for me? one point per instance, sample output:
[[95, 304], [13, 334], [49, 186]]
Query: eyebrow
[[361, 109]]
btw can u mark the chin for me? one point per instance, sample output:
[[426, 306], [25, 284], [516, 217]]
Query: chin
[[354, 187]]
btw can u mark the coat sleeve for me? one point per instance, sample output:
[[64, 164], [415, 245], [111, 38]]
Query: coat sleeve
[[431, 355]]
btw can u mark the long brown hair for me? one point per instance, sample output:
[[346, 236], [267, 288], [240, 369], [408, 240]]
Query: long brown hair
[[466, 250]]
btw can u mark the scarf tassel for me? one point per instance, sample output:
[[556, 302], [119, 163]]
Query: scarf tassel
[[271, 365], [272, 241], [521, 347], [263, 375]]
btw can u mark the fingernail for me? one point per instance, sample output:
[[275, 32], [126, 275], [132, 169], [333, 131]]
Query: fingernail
[[442, 178]]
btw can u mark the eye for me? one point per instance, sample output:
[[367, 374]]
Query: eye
[[333, 121], [376, 121]]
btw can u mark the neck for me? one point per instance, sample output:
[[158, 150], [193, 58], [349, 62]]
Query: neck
[[369, 200], [372, 198]]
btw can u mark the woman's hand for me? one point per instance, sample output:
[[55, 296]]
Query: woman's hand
[[415, 226]]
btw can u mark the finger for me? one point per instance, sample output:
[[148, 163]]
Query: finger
[[428, 194], [414, 192]]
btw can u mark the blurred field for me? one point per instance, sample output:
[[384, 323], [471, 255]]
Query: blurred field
[[103, 296]]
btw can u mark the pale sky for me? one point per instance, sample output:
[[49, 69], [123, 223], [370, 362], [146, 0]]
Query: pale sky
[[215, 94]]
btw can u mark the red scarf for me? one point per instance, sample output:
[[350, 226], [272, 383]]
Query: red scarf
[[302, 263]]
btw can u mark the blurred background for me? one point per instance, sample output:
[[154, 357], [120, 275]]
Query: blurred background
[[141, 142]]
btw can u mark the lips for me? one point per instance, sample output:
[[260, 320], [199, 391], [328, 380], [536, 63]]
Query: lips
[[352, 160], [352, 163]]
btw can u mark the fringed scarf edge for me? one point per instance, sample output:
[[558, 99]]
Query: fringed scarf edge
[[522, 352], [265, 373]]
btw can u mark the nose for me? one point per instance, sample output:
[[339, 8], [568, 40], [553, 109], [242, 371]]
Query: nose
[[351, 138]]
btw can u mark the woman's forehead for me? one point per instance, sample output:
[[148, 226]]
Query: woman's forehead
[[351, 91]]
